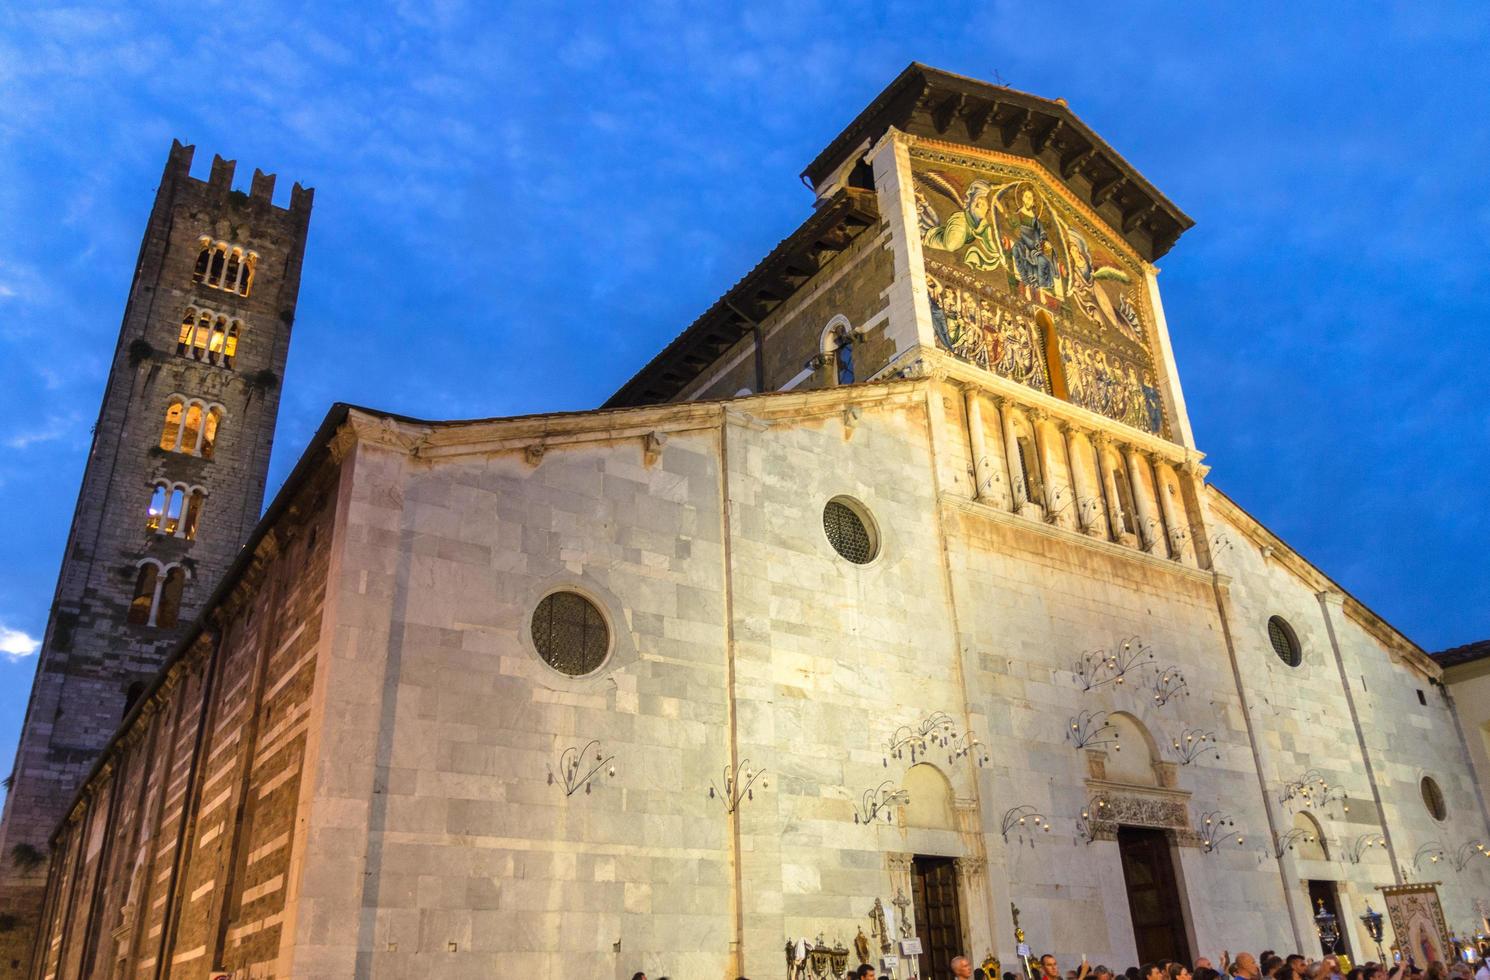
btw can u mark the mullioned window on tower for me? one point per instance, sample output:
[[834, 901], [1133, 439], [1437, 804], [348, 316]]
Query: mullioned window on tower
[[158, 591], [208, 336], [224, 266], [191, 426], [175, 510]]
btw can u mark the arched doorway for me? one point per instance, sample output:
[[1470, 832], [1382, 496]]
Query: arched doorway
[[934, 896], [1147, 853]]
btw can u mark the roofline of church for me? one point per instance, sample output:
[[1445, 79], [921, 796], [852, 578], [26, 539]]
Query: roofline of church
[[1387, 634], [928, 101]]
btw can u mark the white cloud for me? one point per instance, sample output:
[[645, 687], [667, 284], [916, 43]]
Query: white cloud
[[15, 644], [55, 427]]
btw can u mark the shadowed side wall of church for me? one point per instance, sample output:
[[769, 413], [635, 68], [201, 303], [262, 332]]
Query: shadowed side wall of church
[[180, 848], [854, 286], [1363, 709]]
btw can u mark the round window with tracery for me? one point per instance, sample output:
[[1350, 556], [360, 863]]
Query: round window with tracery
[[850, 530], [1285, 643], [1433, 799], [570, 633]]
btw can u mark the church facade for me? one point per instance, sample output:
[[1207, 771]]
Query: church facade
[[886, 614]]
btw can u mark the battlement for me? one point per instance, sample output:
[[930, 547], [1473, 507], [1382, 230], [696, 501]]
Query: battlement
[[220, 180]]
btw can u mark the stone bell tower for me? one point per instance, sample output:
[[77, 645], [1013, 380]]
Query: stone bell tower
[[173, 485]]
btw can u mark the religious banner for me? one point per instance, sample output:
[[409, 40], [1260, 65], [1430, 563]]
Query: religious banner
[[1418, 922]]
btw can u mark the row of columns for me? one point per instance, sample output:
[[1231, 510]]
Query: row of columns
[[1106, 480]]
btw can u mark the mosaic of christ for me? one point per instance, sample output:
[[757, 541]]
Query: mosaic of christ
[[993, 225]]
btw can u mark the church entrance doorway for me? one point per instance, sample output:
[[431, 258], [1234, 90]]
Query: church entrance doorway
[[1324, 893], [938, 919], [1153, 895]]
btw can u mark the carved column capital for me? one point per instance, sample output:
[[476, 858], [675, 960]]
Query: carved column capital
[[968, 867]]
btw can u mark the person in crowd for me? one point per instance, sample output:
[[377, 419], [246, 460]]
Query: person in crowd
[[1206, 973], [864, 972], [1483, 973], [638, 975], [1245, 967], [1101, 972], [1177, 971], [962, 967], [1150, 971], [1051, 970]]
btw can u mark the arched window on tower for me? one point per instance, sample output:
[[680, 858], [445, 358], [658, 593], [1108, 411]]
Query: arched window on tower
[[146, 579], [157, 508], [230, 344], [219, 260], [170, 434], [193, 515], [168, 609], [175, 509], [204, 259], [235, 267], [209, 432], [224, 266], [208, 336], [191, 427]]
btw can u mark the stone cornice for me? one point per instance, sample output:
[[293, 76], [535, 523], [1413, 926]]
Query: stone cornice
[[1075, 538], [444, 440]]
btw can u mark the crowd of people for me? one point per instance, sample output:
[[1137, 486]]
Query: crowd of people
[[1267, 965]]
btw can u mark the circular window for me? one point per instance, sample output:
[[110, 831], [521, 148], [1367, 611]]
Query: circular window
[[570, 633], [1285, 643], [1433, 798], [850, 531]]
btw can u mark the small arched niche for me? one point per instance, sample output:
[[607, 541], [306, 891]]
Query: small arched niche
[[930, 806], [1131, 757], [1310, 844]]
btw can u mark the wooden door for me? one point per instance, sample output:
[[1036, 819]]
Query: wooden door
[[938, 918], [1153, 895]]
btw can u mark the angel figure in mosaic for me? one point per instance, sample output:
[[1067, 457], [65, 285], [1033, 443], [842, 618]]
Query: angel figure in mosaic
[[970, 227], [1091, 296]]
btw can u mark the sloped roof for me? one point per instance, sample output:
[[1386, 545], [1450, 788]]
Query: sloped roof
[[926, 101], [1454, 656], [831, 228]]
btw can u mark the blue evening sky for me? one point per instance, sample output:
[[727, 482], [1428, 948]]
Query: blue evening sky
[[517, 205]]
